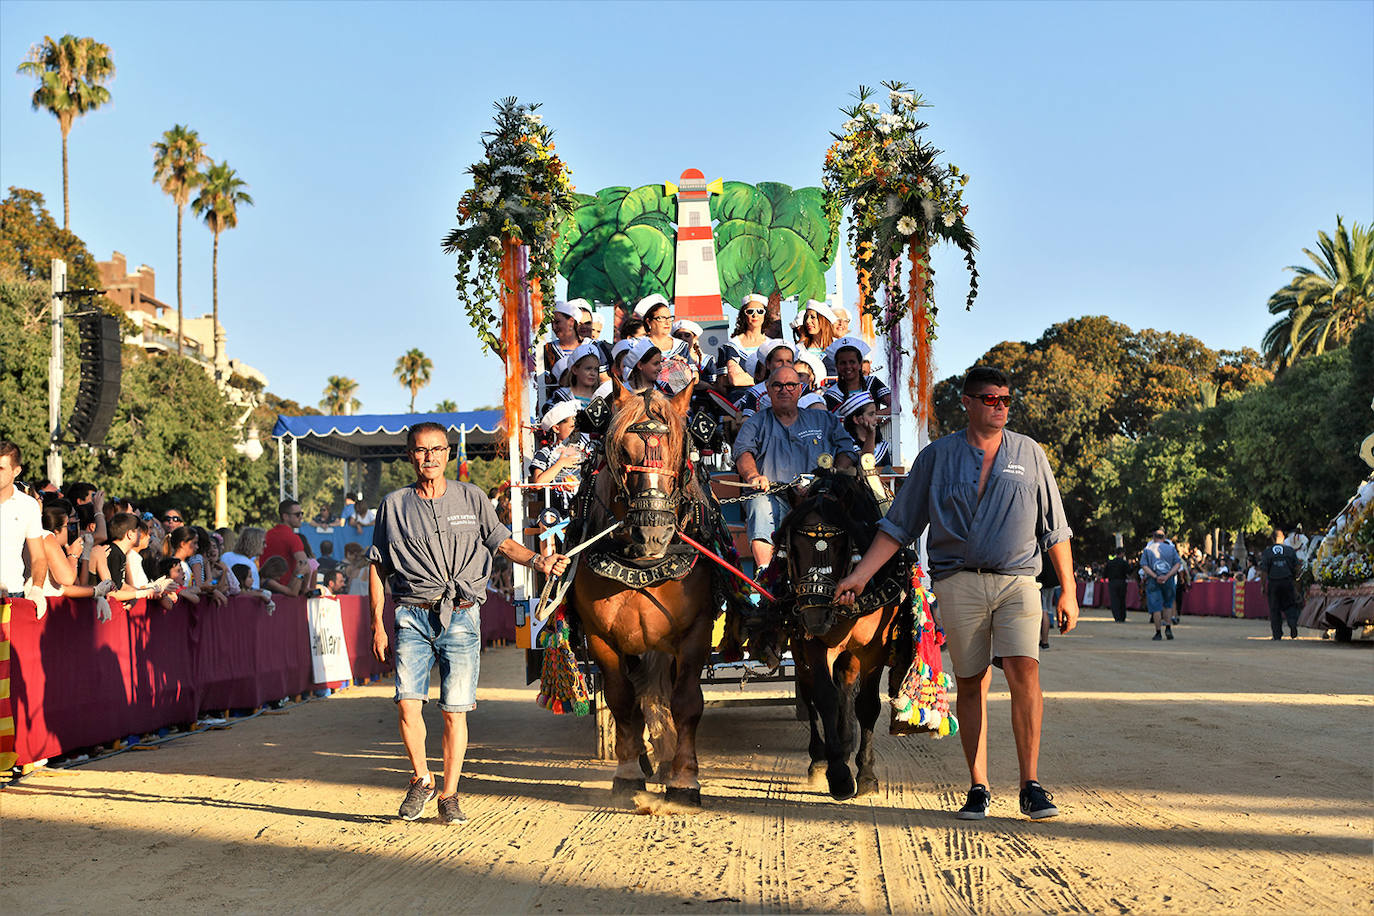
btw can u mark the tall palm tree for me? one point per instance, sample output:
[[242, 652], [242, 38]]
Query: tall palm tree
[[69, 73], [339, 397], [176, 166], [221, 192], [1321, 308], [446, 406], [412, 370]]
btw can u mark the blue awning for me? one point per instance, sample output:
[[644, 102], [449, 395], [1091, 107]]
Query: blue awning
[[383, 436]]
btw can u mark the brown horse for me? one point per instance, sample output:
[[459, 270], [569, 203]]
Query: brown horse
[[840, 652], [644, 602]]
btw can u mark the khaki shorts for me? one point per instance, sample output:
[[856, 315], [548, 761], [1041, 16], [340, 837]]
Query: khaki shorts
[[986, 615]]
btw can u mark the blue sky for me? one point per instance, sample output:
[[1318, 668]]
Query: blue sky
[[1160, 162]]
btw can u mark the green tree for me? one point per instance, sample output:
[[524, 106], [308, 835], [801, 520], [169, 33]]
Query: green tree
[[413, 371], [70, 72], [221, 194], [176, 167], [1321, 308], [339, 397], [446, 406], [24, 350], [30, 238]]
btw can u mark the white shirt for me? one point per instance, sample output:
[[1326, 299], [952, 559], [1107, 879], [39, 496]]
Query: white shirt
[[230, 559], [20, 519]]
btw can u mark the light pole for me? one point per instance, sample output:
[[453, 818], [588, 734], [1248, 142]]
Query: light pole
[[55, 370]]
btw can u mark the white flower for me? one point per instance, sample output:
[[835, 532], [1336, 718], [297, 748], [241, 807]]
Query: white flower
[[843, 146], [902, 98], [489, 196], [883, 127], [851, 125], [949, 219], [928, 208], [923, 184], [870, 107], [906, 225], [533, 118]]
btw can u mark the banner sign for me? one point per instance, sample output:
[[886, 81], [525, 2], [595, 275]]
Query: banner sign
[[328, 651]]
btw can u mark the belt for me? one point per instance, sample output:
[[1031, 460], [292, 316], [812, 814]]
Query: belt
[[984, 572], [432, 605]]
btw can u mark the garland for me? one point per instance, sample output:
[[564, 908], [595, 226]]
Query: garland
[[520, 194]]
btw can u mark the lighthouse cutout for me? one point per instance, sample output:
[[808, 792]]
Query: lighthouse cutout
[[696, 293]]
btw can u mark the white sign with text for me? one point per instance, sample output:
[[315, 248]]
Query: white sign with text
[[328, 651]]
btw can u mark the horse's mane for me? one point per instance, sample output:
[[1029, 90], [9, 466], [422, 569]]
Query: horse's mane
[[842, 502]]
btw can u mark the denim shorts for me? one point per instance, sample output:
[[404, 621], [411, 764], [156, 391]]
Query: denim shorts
[[420, 642], [1159, 596], [765, 513]]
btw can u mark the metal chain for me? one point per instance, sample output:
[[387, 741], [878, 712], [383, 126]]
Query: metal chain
[[771, 491]]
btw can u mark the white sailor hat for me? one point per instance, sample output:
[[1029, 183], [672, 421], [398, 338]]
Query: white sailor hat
[[558, 413], [566, 308], [640, 348], [643, 306], [685, 324], [584, 349], [848, 343], [582, 305], [797, 322], [558, 368], [621, 345], [822, 309], [811, 399], [768, 346], [853, 404], [816, 364], [754, 297]]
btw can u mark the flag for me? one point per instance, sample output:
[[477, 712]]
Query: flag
[[463, 458]]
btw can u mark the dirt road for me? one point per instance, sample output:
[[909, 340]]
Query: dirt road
[[1218, 772]]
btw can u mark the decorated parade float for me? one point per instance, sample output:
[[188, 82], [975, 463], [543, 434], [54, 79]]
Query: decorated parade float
[[1341, 595], [704, 245]]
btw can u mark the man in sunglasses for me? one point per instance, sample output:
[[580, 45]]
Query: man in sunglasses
[[433, 544], [283, 541], [994, 513], [774, 445]]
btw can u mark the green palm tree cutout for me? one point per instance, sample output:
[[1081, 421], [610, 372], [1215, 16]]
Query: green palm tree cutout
[[221, 193], [176, 167], [69, 71], [413, 371]]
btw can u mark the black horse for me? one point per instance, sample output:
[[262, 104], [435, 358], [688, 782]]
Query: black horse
[[840, 652]]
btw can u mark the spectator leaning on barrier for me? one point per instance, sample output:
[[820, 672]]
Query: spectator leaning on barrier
[[282, 539], [23, 564], [247, 549], [124, 536], [277, 578]]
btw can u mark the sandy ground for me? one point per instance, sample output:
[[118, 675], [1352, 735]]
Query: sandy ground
[[1219, 772]]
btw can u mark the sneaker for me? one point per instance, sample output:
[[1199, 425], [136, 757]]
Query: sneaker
[[417, 796], [449, 812], [1168, 632], [1158, 636], [1173, 620], [976, 807], [1036, 802]]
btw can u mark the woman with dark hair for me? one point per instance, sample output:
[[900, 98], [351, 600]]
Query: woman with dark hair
[[737, 355], [847, 354], [64, 555], [658, 319], [860, 416], [643, 362]]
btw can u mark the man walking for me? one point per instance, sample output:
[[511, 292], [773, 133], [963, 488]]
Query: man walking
[[993, 508], [1279, 567], [1117, 572], [1159, 564], [433, 543]]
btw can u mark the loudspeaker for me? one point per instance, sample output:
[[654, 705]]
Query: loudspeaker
[[100, 374]]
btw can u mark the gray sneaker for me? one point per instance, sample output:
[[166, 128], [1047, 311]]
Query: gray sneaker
[[417, 796], [449, 812]]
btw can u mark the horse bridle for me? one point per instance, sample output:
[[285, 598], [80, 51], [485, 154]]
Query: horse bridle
[[818, 584], [653, 506]]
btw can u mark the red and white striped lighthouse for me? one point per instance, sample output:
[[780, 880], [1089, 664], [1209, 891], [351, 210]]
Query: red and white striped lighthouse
[[697, 284]]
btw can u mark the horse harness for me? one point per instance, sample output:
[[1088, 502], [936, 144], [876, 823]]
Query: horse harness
[[813, 593]]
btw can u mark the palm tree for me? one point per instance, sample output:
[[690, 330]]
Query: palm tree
[[446, 406], [177, 168], [412, 370], [1321, 308], [339, 397], [69, 73], [221, 192]]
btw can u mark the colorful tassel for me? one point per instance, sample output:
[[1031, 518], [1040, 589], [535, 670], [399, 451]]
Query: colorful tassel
[[923, 699]]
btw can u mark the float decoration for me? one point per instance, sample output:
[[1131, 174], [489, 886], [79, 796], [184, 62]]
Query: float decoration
[[902, 201], [922, 702]]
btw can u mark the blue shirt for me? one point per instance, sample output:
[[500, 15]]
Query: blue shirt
[[1158, 557], [782, 452], [1019, 516]]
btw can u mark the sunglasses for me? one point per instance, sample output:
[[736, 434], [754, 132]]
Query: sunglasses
[[756, 311], [993, 400], [171, 518]]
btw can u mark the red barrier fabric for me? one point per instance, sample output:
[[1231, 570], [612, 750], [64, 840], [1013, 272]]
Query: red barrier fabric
[[76, 682], [498, 619], [1202, 599]]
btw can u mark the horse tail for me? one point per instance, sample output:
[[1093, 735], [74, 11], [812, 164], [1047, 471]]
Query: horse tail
[[652, 680]]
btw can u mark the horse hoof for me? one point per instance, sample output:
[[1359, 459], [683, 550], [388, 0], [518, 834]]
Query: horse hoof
[[868, 785], [841, 782], [815, 772], [690, 798], [624, 790], [645, 766]]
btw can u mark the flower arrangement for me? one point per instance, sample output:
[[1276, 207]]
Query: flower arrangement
[[903, 201], [520, 194], [1345, 557]]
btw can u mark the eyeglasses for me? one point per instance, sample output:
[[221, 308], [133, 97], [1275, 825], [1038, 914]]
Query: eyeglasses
[[426, 452], [784, 386], [756, 311], [662, 318], [171, 518], [993, 400]]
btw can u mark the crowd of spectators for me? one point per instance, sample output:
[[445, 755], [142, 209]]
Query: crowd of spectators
[[75, 541]]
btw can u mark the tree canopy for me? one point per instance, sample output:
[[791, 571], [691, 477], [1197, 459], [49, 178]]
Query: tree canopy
[[30, 238], [1320, 308]]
